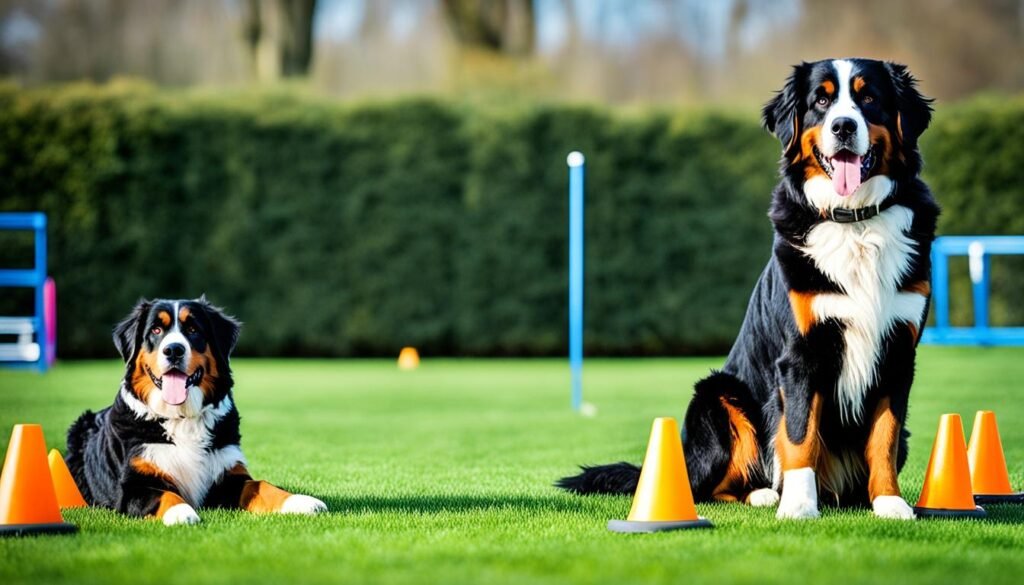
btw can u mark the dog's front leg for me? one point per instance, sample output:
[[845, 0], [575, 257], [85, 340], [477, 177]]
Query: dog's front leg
[[798, 446], [880, 455], [147, 491], [237, 489]]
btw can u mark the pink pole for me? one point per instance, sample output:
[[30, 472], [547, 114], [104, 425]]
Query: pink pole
[[50, 318]]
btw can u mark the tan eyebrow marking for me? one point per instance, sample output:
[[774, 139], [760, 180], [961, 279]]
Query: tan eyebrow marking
[[858, 83], [164, 317], [828, 86]]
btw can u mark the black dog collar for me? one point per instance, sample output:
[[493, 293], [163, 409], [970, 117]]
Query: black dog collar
[[842, 215]]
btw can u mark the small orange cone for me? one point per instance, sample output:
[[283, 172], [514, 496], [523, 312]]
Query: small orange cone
[[408, 358], [28, 504], [663, 500], [989, 478], [947, 483], [64, 485]]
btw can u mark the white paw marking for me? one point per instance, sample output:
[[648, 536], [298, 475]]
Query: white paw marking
[[180, 514], [300, 504], [799, 495], [763, 498], [892, 507]]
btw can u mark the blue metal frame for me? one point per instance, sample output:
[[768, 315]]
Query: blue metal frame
[[979, 250], [575, 161], [34, 278]]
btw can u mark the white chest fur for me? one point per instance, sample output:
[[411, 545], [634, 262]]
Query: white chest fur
[[188, 460], [868, 260]]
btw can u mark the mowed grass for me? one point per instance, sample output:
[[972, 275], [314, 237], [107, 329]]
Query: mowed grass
[[443, 475]]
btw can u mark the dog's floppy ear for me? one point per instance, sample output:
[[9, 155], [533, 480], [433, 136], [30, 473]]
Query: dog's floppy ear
[[128, 334], [225, 327], [781, 116], [914, 111]]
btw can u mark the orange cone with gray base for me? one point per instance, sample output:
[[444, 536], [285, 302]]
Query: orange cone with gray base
[[947, 483], [663, 500], [28, 504], [64, 485], [989, 478]]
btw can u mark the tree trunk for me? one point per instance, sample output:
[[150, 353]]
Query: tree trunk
[[505, 26], [279, 36]]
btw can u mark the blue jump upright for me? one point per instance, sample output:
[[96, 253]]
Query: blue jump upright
[[575, 161], [29, 350]]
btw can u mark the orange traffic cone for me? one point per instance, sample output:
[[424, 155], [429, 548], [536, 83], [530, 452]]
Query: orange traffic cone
[[989, 478], [947, 483], [64, 485], [663, 500], [28, 504], [408, 358]]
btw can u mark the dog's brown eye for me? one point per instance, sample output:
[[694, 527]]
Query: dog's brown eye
[[191, 330], [868, 99], [823, 101], [156, 330]]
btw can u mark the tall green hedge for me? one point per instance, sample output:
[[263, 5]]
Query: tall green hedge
[[356, 229], [974, 162]]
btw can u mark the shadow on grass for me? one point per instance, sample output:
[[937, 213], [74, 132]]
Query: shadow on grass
[[436, 504], [1005, 513]]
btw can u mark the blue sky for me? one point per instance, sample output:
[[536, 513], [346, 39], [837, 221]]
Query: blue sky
[[701, 25]]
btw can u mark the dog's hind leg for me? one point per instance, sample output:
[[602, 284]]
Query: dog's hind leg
[[720, 439]]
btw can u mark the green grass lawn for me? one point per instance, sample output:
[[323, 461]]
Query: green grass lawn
[[443, 475]]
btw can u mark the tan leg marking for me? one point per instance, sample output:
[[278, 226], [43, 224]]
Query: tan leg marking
[[262, 497], [167, 501], [803, 454], [880, 453]]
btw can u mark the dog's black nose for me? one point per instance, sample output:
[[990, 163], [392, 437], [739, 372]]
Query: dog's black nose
[[174, 351], [844, 128]]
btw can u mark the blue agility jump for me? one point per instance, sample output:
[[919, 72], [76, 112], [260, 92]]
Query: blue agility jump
[[34, 346], [979, 250]]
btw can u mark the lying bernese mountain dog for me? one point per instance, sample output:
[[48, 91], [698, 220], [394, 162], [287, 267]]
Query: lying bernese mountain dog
[[812, 398], [170, 442]]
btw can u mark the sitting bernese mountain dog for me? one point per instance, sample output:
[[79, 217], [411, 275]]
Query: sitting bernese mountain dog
[[170, 442], [812, 398]]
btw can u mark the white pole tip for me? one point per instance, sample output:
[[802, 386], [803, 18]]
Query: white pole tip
[[575, 159]]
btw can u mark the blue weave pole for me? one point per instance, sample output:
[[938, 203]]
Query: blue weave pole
[[575, 161]]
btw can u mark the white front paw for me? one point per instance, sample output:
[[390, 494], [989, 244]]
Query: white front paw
[[763, 498], [799, 495], [797, 509], [180, 514], [892, 507], [300, 504]]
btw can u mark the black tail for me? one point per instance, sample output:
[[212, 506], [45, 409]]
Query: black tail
[[615, 478], [78, 437]]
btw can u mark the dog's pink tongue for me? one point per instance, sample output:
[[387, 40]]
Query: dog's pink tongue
[[845, 173], [173, 386]]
